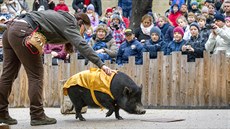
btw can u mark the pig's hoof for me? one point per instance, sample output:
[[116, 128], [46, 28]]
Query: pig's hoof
[[109, 113], [82, 119], [120, 118]]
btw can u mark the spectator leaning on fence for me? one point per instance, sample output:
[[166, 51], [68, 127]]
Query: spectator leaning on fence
[[177, 42], [105, 48], [219, 38], [155, 44], [130, 47], [194, 47]]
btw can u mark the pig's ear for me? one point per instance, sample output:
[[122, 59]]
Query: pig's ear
[[127, 91], [141, 86]]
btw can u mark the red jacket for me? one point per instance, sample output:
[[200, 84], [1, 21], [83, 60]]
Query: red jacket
[[173, 17], [63, 7]]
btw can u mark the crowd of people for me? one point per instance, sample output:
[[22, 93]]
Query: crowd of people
[[186, 27], [191, 27]]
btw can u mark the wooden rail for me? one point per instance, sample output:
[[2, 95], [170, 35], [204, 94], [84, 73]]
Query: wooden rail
[[168, 81]]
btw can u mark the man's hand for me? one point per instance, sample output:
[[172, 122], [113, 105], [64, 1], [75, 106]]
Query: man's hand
[[107, 70]]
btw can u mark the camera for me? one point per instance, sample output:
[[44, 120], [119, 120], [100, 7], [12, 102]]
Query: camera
[[116, 26], [210, 26]]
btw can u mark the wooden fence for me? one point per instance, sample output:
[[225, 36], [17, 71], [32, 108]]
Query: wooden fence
[[168, 81]]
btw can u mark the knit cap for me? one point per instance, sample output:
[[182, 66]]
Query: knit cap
[[179, 30], [114, 16], [220, 17], [102, 27], [204, 9], [227, 19], [109, 10], [195, 24], [155, 30], [194, 3], [90, 7]]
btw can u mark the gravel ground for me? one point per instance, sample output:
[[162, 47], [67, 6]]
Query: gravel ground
[[153, 119]]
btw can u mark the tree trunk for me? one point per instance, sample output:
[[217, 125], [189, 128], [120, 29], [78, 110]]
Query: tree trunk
[[139, 9]]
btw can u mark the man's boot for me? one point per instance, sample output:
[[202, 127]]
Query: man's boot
[[8, 120], [43, 121]]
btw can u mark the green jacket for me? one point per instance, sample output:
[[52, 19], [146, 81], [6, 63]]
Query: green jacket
[[61, 28]]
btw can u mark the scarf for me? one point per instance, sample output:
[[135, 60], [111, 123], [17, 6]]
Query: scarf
[[146, 30]]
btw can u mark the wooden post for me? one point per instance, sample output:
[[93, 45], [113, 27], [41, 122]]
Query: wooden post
[[166, 84], [145, 79]]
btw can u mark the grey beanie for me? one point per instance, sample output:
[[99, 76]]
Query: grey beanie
[[155, 30], [116, 16], [196, 25]]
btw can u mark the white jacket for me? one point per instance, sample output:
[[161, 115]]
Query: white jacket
[[219, 42]]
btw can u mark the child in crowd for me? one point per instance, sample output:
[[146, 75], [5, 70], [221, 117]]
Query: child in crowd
[[182, 22], [142, 33], [177, 42], [195, 46], [154, 44], [227, 21], [117, 27], [175, 13], [104, 46], [5, 13], [106, 18], [61, 6], [93, 16], [204, 11], [191, 18], [166, 29], [131, 47], [195, 8], [184, 10], [88, 34], [204, 31]]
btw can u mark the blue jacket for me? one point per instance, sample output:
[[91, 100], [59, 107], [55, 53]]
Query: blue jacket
[[174, 46], [125, 4], [154, 47], [132, 48], [167, 32]]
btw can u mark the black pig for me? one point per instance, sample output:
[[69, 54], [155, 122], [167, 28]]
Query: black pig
[[126, 93]]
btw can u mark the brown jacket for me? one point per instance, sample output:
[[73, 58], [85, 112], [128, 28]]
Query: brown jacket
[[60, 28]]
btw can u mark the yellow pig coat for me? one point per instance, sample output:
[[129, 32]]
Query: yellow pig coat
[[94, 80]]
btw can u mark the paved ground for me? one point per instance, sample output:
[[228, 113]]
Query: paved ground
[[153, 119]]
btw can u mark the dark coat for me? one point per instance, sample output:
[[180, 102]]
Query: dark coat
[[198, 45], [154, 47], [132, 48], [167, 32], [174, 46], [140, 35]]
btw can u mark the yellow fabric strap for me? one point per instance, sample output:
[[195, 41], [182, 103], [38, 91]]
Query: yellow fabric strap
[[93, 94]]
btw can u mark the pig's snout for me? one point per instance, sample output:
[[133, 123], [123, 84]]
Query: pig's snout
[[141, 111]]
